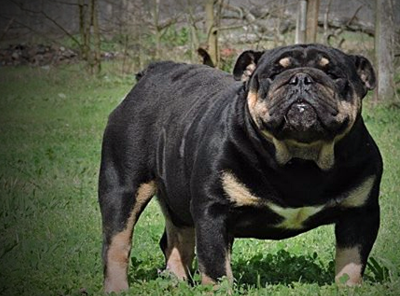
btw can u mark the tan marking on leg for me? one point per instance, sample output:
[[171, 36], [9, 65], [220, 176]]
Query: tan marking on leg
[[117, 263], [359, 195], [228, 267], [180, 249], [119, 249], [285, 62], [348, 261], [237, 192], [206, 280]]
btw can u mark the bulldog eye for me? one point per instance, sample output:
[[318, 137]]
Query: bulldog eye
[[341, 84], [268, 78], [272, 76], [333, 75], [265, 83]]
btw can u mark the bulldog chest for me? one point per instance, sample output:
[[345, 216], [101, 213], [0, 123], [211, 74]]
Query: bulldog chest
[[294, 218]]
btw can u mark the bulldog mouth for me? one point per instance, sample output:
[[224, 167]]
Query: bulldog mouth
[[301, 116], [299, 120]]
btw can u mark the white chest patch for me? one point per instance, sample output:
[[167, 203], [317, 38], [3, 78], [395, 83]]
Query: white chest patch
[[294, 217]]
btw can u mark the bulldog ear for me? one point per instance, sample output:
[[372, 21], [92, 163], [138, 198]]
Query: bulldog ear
[[246, 64], [365, 71]]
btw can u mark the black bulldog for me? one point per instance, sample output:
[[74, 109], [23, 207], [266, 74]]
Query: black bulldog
[[276, 154]]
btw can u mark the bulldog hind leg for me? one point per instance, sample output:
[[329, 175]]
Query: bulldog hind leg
[[121, 209], [177, 244], [124, 192]]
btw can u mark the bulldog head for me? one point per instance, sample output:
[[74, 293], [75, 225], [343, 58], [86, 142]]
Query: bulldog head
[[304, 98]]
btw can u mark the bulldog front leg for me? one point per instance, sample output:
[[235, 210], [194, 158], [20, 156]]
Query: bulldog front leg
[[355, 235], [213, 244]]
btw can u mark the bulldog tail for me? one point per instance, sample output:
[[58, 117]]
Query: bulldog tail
[[206, 57]]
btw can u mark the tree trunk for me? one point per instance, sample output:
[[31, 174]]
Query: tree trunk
[[301, 22], [156, 19], [312, 20], [194, 40], [384, 49], [96, 38], [84, 44], [212, 32]]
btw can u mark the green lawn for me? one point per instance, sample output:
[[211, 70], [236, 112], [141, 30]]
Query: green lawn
[[51, 124]]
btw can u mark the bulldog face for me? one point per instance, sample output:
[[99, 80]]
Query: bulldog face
[[304, 98]]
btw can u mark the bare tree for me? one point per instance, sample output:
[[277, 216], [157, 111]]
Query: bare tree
[[89, 41], [312, 20], [157, 29], [307, 21], [94, 16], [384, 49], [90, 34], [192, 20], [159, 25], [212, 31], [301, 22]]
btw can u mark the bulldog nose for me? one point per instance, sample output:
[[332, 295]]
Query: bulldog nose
[[301, 79]]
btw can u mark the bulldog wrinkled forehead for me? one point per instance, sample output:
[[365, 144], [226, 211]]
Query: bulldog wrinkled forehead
[[303, 55]]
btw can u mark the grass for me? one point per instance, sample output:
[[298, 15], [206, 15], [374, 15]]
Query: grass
[[51, 124]]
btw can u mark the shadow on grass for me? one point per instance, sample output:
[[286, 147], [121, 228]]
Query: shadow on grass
[[261, 270], [282, 268]]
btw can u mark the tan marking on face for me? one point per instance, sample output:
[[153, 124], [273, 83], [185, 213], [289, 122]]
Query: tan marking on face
[[321, 153], [323, 62], [252, 100], [282, 153], [294, 217], [359, 195], [308, 151], [285, 62], [348, 261], [119, 249], [348, 110], [326, 157], [237, 192], [258, 109], [180, 249]]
